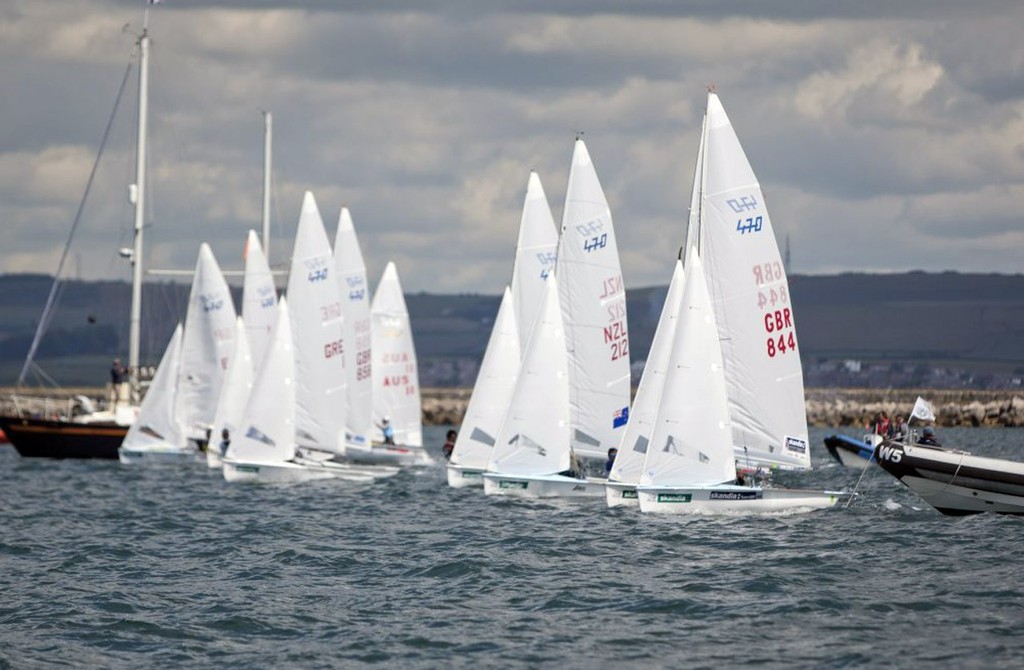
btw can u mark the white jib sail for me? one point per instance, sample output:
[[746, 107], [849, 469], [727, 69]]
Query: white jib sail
[[492, 391], [534, 436], [206, 345], [593, 298], [691, 443], [535, 256], [234, 393], [321, 406], [629, 462], [157, 423], [259, 298], [750, 292], [267, 428], [396, 383], [355, 304]]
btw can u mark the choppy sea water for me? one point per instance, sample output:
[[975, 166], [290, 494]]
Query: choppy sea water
[[103, 565]]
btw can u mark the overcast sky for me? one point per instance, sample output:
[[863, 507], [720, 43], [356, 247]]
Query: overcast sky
[[886, 135]]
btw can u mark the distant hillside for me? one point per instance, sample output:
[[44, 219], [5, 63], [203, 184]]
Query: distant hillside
[[910, 329]]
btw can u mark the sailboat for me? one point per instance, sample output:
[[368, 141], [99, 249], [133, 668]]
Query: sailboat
[[206, 346], [396, 386], [690, 467], [534, 262], [96, 434], [158, 435], [750, 294], [593, 299], [492, 392], [318, 335], [234, 393], [264, 448], [532, 455], [628, 465], [355, 305]]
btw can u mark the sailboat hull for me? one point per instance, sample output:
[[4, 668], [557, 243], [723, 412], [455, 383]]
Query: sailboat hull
[[460, 477], [41, 438], [621, 494], [732, 499], [954, 482], [388, 454], [541, 486], [157, 454], [271, 473]]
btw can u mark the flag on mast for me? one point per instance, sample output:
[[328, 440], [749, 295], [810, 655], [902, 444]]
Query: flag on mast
[[923, 410]]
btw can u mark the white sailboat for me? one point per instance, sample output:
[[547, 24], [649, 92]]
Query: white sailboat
[[259, 297], [532, 451], [536, 251], [355, 305], [234, 393], [492, 392], [593, 298], [206, 346], [396, 385], [157, 435], [690, 467], [264, 448], [625, 474], [750, 294], [318, 335]]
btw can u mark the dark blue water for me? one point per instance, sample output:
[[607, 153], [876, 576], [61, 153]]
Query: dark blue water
[[103, 565]]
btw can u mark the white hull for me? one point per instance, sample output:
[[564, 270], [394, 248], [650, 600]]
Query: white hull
[[541, 486], [461, 478], [213, 458], [621, 494], [953, 499], [733, 499], [386, 454], [271, 473], [156, 455]]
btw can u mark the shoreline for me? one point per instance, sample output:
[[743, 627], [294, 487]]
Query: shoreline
[[826, 407]]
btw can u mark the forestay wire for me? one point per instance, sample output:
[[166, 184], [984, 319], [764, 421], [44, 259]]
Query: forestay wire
[[51, 300]]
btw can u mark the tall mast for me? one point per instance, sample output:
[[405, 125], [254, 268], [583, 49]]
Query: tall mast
[[137, 195], [268, 128]]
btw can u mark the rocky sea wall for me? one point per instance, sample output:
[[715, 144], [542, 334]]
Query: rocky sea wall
[[829, 407]]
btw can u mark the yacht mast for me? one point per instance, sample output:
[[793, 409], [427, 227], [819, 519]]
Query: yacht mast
[[137, 196], [268, 128]]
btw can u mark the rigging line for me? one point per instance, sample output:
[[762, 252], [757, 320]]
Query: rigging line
[[47, 316], [853, 493]]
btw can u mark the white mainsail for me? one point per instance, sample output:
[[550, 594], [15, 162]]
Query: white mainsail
[[691, 443], [267, 427], [234, 393], [157, 423], [492, 392], [318, 334], [535, 256], [750, 293], [355, 304], [259, 297], [396, 385], [636, 440], [534, 436], [593, 298], [206, 345]]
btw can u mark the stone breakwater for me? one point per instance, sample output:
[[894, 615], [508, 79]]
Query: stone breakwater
[[832, 408]]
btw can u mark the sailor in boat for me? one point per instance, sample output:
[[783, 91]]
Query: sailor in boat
[[225, 441], [388, 431], [118, 383], [898, 429], [928, 438], [612, 453], [449, 444]]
